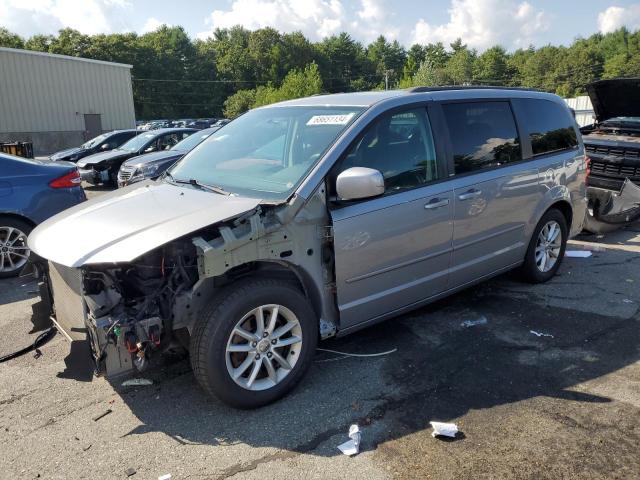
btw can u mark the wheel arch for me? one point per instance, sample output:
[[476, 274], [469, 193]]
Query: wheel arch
[[282, 270], [18, 216], [565, 208]]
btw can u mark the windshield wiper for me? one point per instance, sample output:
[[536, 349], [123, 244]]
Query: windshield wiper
[[202, 186]]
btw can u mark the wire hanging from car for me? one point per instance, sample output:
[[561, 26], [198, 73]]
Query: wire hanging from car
[[347, 354]]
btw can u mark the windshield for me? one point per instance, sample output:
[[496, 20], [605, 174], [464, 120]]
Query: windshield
[[191, 141], [266, 152], [94, 141], [137, 142]]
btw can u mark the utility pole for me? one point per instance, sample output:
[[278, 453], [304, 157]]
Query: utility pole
[[386, 79]]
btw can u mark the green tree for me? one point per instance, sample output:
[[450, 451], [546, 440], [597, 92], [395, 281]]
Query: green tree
[[491, 68], [341, 61], [10, 40], [239, 102], [70, 42], [459, 67], [387, 59]]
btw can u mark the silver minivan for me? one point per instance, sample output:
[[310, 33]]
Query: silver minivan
[[313, 218]]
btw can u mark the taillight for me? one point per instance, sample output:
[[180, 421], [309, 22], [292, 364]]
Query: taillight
[[587, 162], [71, 179]]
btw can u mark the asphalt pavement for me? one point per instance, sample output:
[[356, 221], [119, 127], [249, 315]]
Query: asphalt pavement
[[563, 402]]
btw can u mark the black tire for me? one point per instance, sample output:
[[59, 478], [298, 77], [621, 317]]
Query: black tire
[[529, 269], [25, 228], [213, 330]]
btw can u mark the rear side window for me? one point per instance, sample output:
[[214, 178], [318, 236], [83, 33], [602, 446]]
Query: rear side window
[[549, 126], [401, 147], [483, 135]]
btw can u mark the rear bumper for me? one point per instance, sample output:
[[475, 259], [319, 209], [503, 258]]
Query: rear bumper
[[614, 207]]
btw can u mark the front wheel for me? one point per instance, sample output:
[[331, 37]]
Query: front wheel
[[254, 344], [546, 248]]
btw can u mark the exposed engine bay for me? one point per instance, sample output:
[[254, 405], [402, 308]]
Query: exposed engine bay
[[132, 312], [130, 307]]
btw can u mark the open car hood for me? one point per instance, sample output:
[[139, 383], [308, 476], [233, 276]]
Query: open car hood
[[618, 97], [126, 223]]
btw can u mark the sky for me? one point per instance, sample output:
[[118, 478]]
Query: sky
[[480, 23]]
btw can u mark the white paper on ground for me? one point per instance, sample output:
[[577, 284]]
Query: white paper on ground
[[472, 323], [137, 382], [444, 429], [577, 253], [540, 334], [351, 447], [166, 476]]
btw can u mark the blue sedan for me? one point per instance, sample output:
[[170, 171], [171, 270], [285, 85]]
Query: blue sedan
[[30, 192]]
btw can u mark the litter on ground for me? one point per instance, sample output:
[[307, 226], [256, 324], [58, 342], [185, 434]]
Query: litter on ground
[[352, 446], [137, 382], [540, 334], [473, 323], [577, 253], [444, 429]]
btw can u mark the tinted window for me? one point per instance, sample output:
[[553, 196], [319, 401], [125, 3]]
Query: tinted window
[[483, 135], [550, 126], [401, 147]]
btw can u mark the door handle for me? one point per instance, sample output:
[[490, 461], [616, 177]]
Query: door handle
[[436, 203], [473, 193]]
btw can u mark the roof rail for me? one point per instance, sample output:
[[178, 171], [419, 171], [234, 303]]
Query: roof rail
[[467, 87]]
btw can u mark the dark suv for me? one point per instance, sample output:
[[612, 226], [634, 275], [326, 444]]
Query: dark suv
[[613, 145]]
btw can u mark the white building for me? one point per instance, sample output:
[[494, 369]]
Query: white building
[[583, 108], [56, 101]]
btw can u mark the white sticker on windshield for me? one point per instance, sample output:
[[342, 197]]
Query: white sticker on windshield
[[330, 119]]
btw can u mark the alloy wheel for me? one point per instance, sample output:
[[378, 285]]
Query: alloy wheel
[[14, 251], [264, 347], [548, 246]]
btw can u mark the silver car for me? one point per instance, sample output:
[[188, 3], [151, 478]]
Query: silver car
[[313, 218]]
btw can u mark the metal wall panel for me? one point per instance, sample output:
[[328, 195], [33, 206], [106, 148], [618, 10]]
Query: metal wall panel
[[51, 93]]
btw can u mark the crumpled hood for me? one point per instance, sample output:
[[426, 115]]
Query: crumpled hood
[[126, 223], [97, 158], [148, 158], [63, 154], [615, 98]]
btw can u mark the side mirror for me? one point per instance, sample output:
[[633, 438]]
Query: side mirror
[[104, 146], [359, 182]]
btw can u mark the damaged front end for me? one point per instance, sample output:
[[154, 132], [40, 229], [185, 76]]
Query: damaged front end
[[132, 311], [125, 311]]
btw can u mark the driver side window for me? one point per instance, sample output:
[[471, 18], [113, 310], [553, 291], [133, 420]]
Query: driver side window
[[400, 146]]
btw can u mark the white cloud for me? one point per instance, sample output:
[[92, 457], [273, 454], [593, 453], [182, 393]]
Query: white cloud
[[373, 19], [315, 18], [615, 17], [484, 23], [27, 17], [153, 24]]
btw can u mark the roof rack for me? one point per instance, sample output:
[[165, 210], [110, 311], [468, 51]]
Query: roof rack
[[467, 87]]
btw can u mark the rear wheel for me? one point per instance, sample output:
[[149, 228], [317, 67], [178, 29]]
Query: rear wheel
[[546, 248], [14, 251], [254, 344]]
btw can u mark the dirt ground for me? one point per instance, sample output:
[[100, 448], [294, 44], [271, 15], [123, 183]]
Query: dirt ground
[[562, 405]]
